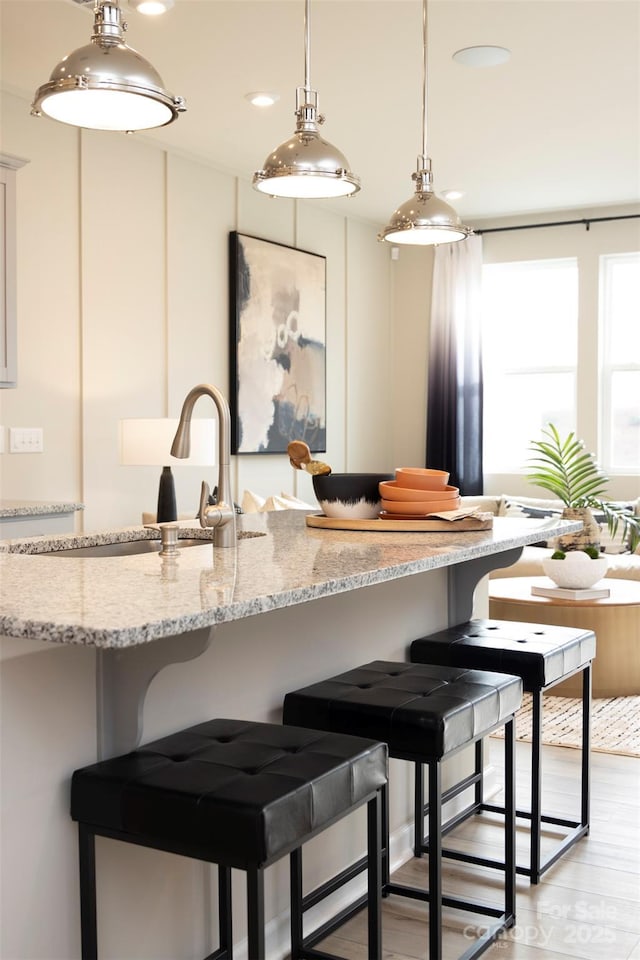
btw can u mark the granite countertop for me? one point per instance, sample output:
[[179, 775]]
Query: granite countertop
[[35, 508], [279, 562]]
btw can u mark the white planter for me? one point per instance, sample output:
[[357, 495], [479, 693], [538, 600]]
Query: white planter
[[577, 571]]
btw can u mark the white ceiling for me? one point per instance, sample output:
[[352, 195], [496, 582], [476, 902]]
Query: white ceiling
[[556, 128]]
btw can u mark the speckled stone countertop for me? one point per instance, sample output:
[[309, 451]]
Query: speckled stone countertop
[[35, 508], [129, 600]]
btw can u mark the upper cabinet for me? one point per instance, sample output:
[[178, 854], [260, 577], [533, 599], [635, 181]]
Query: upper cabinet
[[8, 168]]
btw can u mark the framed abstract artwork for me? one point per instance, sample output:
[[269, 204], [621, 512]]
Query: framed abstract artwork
[[277, 346]]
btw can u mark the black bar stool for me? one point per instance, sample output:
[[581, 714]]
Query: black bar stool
[[238, 794], [543, 656], [425, 714]]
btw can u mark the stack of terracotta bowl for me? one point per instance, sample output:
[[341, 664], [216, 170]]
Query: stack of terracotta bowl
[[417, 492]]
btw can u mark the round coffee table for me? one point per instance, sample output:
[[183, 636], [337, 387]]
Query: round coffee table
[[615, 620]]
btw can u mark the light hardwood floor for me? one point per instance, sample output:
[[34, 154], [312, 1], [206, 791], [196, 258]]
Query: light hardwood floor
[[587, 905]]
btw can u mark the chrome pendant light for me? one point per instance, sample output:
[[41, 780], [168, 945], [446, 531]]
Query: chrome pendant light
[[107, 85], [306, 166], [424, 219]]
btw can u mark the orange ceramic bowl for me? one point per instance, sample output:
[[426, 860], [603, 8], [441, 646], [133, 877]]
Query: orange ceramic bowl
[[421, 478], [391, 490], [418, 507]]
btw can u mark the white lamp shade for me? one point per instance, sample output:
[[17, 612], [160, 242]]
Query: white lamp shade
[[148, 443]]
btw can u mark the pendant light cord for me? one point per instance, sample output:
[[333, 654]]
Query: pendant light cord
[[307, 68], [424, 78]]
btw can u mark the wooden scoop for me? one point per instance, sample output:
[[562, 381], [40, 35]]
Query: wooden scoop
[[300, 459]]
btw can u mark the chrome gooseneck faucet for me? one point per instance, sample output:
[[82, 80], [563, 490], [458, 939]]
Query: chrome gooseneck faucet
[[221, 517]]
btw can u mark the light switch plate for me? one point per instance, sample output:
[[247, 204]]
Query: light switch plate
[[26, 440]]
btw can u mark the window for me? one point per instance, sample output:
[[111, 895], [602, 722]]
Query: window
[[530, 350], [620, 362]]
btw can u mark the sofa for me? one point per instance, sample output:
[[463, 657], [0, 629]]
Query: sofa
[[622, 565]]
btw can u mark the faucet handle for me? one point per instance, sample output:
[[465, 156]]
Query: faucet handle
[[205, 493]]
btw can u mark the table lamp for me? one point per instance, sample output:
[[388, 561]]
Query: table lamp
[[148, 443]]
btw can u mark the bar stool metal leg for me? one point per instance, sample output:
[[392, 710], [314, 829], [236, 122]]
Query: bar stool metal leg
[[374, 876], [88, 920], [418, 805], [586, 747], [255, 912], [225, 912], [536, 787], [386, 853], [510, 823], [295, 882], [435, 858], [479, 771]]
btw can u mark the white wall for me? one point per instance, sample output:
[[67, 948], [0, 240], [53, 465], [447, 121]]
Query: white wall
[[123, 307], [48, 267]]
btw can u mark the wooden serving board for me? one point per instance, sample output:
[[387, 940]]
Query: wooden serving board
[[483, 521]]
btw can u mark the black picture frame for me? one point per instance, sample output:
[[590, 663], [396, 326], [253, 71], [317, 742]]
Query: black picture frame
[[277, 346]]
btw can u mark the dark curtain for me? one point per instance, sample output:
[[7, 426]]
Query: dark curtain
[[454, 397]]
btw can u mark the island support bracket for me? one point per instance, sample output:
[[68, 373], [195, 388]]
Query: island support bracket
[[465, 577], [123, 676]]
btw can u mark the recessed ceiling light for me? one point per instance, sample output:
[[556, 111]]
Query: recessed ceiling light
[[452, 194], [151, 8], [482, 56], [260, 98]]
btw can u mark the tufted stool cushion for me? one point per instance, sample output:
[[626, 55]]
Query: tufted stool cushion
[[241, 792], [424, 713], [421, 711], [236, 793], [539, 653]]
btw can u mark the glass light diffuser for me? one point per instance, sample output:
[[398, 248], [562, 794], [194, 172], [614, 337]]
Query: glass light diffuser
[[107, 85]]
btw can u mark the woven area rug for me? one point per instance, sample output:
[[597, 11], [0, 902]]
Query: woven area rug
[[615, 724]]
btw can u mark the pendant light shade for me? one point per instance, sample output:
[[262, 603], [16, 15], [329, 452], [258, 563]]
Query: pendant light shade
[[424, 219], [107, 85], [306, 166]]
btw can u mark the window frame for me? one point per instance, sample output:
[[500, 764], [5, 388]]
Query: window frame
[[608, 367]]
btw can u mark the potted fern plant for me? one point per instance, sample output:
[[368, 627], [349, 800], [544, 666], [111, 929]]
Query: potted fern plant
[[565, 469]]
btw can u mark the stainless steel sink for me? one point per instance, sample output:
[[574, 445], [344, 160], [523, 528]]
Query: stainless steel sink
[[129, 548], [126, 549]]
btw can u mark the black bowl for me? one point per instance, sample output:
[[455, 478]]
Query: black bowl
[[352, 496]]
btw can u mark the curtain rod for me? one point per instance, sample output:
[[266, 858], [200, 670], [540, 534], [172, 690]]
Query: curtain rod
[[587, 221]]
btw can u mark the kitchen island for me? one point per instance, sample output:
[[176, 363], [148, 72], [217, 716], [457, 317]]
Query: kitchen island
[[99, 652]]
